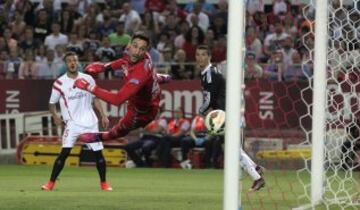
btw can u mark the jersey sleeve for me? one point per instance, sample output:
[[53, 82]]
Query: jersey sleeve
[[137, 79], [92, 82], [55, 94], [209, 91]]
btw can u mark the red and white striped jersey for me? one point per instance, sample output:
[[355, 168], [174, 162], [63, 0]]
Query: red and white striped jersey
[[75, 104]]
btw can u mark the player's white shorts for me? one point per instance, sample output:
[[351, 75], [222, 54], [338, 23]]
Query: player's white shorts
[[73, 131]]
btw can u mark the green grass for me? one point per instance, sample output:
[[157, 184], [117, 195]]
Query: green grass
[[138, 189]]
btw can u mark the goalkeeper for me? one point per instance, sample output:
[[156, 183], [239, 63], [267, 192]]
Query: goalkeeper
[[140, 88], [213, 85]]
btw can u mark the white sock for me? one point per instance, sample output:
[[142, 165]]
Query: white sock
[[248, 165]]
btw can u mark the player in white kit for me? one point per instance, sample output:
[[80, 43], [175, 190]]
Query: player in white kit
[[77, 113]]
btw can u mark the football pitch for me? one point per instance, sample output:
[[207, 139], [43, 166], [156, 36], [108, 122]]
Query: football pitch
[[138, 189]]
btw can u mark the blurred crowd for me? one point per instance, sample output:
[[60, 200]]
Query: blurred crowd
[[34, 35]]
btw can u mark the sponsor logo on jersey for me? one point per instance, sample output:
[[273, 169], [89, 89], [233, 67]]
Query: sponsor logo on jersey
[[77, 95], [134, 81]]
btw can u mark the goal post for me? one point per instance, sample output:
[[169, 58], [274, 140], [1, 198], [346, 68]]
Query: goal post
[[319, 101], [234, 83]]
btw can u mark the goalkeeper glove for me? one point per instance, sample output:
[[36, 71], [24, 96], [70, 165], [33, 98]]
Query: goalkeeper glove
[[95, 68], [84, 85], [163, 78]]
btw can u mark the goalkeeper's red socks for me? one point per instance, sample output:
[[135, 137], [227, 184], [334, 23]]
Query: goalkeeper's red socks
[[105, 186], [48, 186]]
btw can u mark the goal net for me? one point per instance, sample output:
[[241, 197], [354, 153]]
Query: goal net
[[280, 121], [340, 187]]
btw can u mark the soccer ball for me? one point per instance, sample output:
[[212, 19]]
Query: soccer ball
[[215, 122]]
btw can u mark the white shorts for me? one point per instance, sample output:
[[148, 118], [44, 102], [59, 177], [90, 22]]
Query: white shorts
[[73, 131]]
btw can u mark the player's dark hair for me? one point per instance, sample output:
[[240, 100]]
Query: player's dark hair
[[68, 54], [143, 36], [204, 47]]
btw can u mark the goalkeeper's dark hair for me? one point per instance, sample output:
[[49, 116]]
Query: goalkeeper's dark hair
[[204, 47], [143, 36], [68, 54]]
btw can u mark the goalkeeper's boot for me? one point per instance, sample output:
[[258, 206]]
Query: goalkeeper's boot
[[105, 186], [258, 184], [48, 186]]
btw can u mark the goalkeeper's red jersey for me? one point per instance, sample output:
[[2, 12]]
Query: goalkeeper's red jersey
[[140, 88]]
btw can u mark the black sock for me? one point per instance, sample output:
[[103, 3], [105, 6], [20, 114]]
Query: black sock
[[100, 165], [59, 163]]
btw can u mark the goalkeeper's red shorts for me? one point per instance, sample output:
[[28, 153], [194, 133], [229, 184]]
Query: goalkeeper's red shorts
[[131, 121]]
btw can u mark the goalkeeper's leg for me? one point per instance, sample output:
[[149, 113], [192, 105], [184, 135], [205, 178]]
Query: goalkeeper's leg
[[131, 121]]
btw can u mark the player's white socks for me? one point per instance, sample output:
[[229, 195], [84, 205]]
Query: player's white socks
[[249, 166]]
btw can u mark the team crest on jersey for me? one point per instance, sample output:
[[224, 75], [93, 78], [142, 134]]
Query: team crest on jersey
[[134, 81]]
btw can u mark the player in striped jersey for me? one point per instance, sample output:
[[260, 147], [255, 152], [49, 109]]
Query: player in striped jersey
[[79, 117]]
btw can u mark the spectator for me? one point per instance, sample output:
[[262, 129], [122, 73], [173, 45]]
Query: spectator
[[48, 6], [138, 6], [287, 51], [274, 68], [66, 22], [155, 5], [149, 140], [164, 66], [150, 26], [131, 18], [279, 7], [92, 43], [173, 8], [176, 130], [3, 58], [41, 54], [180, 69], [55, 38], [194, 37], [29, 42], [108, 26], [254, 6], [253, 43], [119, 38], [28, 11], [297, 71], [219, 26], [29, 69], [12, 64], [155, 55], [252, 69], [207, 8], [75, 45], [106, 54], [18, 25], [203, 19], [210, 38], [273, 40], [47, 69], [222, 11], [180, 38], [9, 40], [42, 25], [83, 6], [171, 26], [58, 63], [218, 52], [164, 41]]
